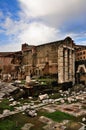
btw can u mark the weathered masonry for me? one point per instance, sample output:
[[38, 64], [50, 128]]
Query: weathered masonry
[[55, 58], [66, 64], [80, 64], [10, 64], [62, 59]]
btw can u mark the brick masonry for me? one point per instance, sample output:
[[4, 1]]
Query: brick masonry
[[55, 58]]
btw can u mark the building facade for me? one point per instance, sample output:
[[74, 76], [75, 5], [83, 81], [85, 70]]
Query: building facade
[[80, 64], [5, 63], [10, 64], [56, 58]]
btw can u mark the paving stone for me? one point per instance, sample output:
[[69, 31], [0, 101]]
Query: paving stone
[[27, 126]]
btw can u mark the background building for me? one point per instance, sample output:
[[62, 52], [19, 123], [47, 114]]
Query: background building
[[81, 64], [10, 64]]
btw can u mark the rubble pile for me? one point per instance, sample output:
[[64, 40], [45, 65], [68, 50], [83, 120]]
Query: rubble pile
[[78, 88], [6, 89]]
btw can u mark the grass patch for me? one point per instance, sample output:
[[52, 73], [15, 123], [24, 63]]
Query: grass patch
[[84, 107], [14, 122], [23, 81], [8, 125], [5, 105], [17, 121], [55, 96], [59, 116], [46, 81], [24, 100]]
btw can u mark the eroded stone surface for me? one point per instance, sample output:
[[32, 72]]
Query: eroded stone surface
[[27, 126]]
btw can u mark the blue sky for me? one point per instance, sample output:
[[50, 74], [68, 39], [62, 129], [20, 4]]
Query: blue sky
[[41, 21]]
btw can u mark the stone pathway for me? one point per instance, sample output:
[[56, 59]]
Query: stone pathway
[[50, 124], [27, 126]]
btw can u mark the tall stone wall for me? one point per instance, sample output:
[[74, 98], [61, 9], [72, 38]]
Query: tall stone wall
[[47, 54], [53, 58]]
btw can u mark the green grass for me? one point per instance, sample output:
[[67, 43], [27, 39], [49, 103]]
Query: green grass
[[5, 105], [84, 107], [22, 101], [14, 122], [47, 79], [17, 121], [23, 82], [59, 116], [55, 95], [8, 125]]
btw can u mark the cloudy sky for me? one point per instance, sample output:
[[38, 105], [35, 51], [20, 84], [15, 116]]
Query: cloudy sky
[[41, 21]]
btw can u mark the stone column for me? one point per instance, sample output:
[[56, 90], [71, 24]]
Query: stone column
[[66, 65], [70, 65], [60, 65], [85, 78], [73, 63]]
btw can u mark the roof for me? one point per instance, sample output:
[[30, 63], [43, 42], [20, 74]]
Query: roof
[[80, 47], [56, 42], [7, 54]]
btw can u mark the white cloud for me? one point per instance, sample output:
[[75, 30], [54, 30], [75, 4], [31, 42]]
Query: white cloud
[[10, 47], [46, 7], [13, 27], [40, 21], [53, 11], [37, 33], [82, 43], [31, 33]]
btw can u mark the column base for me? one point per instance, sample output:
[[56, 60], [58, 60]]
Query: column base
[[66, 85]]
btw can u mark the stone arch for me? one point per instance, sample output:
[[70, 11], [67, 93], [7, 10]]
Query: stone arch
[[81, 68], [81, 74]]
